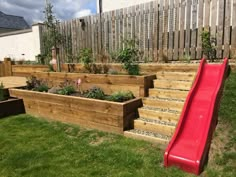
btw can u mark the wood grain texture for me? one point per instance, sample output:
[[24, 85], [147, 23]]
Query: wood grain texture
[[98, 114]]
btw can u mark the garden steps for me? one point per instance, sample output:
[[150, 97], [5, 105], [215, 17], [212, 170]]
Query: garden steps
[[169, 84], [168, 93], [176, 76], [148, 136], [159, 114], [170, 104], [155, 126], [162, 109]]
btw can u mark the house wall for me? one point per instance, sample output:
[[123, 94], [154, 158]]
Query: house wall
[[14, 44], [108, 5]]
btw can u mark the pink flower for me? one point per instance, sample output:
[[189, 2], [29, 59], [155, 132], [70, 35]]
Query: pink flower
[[78, 81]]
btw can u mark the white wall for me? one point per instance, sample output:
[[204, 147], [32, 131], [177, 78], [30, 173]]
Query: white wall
[[109, 5], [14, 44]]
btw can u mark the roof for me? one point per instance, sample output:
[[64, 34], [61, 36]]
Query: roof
[[12, 22]]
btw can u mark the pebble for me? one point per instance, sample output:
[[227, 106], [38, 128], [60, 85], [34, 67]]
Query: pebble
[[157, 121], [156, 135]]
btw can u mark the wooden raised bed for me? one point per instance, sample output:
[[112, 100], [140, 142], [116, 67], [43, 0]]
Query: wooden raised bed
[[11, 107], [98, 114], [139, 85]]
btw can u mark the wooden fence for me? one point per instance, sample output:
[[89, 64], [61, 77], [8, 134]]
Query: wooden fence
[[164, 29]]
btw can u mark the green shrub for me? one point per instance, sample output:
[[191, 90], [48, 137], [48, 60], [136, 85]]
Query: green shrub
[[128, 56], [2, 96], [41, 88], [208, 45], [67, 90], [121, 96], [86, 57], [95, 93]]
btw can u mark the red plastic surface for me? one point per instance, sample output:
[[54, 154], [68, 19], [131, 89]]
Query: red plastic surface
[[189, 146]]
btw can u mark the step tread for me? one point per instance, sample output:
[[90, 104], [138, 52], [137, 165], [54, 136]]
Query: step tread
[[155, 109], [164, 99], [148, 136], [158, 122], [172, 75], [162, 127], [174, 94]]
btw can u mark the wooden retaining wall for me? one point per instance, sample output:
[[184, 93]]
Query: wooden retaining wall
[[26, 70], [139, 85], [145, 68], [98, 114]]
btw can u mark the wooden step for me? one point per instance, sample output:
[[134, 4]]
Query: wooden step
[[181, 76], [148, 136], [166, 93], [163, 103], [157, 114], [150, 125], [169, 84]]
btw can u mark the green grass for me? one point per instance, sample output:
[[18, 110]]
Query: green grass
[[34, 147]]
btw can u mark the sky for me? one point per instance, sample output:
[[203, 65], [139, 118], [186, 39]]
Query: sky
[[32, 10]]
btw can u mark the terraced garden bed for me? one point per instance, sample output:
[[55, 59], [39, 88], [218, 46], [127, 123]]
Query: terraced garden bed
[[98, 114]]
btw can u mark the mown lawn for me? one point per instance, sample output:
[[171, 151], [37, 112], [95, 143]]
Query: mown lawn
[[35, 147]]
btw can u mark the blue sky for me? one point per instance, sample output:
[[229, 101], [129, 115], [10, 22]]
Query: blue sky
[[32, 10]]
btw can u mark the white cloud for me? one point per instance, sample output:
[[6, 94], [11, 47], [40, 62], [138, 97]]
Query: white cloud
[[32, 11], [82, 13]]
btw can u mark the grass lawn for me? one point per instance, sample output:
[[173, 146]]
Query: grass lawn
[[35, 147]]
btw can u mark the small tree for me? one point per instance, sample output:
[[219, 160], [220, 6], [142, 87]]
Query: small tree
[[51, 37], [208, 45]]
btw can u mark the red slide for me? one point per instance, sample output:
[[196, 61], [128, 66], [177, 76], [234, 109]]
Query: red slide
[[189, 147]]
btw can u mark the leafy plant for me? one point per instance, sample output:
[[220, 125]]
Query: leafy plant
[[96, 93], [2, 96], [67, 90], [35, 84], [85, 56], [41, 88], [121, 96], [186, 58], [128, 56], [208, 45]]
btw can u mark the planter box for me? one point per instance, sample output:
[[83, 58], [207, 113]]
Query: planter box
[[98, 114], [139, 85], [11, 107]]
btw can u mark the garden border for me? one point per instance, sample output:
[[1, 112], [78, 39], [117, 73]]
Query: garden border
[[91, 113]]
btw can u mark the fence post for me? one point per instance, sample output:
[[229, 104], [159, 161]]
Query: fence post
[[7, 67]]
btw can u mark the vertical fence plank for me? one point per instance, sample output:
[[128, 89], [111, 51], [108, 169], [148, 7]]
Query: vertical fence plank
[[187, 35], [207, 15], [220, 29], [155, 31], [171, 30], [165, 35], [137, 25], [194, 30], [227, 28], [141, 29], [150, 31], [200, 27], [213, 18], [146, 31], [161, 30], [233, 36], [176, 40], [182, 26]]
